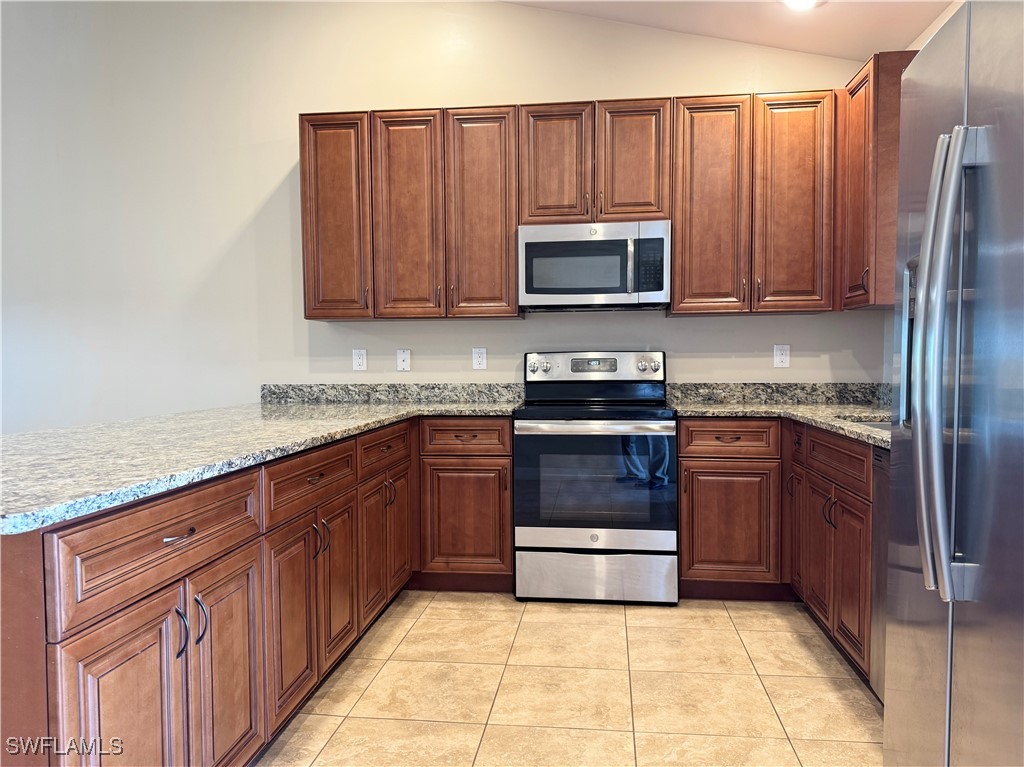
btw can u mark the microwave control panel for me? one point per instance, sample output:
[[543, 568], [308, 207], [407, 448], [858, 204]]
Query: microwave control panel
[[650, 264]]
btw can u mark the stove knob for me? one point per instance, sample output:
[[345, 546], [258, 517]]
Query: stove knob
[[533, 366], [655, 366], [545, 366], [642, 366]]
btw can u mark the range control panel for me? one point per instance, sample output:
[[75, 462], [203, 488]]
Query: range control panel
[[595, 366]]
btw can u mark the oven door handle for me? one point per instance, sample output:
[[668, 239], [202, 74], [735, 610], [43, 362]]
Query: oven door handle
[[595, 428]]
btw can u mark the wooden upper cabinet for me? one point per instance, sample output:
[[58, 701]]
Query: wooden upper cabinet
[[334, 166], [711, 208], [792, 261], [408, 214], [481, 180], [632, 158], [556, 150], [867, 173]]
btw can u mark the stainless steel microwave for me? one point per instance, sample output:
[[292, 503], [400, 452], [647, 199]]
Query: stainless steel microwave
[[594, 266]]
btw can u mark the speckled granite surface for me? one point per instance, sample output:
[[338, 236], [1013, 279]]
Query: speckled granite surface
[[48, 477]]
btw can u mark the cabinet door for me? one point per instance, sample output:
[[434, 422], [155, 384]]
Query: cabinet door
[[371, 553], [334, 165], [556, 163], [711, 209], [481, 211], [851, 622], [122, 680], [730, 524], [632, 157], [399, 529], [408, 214], [794, 498], [793, 202], [290, 616], [337, 621], [225, 602], [816, 547], [467, 523]]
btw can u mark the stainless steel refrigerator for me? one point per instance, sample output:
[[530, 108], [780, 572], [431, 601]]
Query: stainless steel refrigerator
[[954, 675]]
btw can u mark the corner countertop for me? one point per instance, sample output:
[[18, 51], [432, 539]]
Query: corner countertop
[[53, 476]]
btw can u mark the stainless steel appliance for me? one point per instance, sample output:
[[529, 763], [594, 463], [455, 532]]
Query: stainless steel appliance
[[595, 507], [594, 266], [954, 656]]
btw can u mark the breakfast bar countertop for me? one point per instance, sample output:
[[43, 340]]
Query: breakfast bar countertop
[[53, 476]]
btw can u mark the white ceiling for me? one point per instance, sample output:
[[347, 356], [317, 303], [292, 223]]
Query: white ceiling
[[846, 29]]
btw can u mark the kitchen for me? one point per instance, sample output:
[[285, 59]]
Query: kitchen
[[203, 187]]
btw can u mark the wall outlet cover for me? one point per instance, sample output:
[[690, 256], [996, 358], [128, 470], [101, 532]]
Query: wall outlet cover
[[782, 355], [479, 358], [359, 359], [403, 360]]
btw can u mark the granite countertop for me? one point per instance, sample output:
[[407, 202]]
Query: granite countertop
[[58, 475]]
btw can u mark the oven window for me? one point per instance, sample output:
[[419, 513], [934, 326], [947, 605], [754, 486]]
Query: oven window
[[576, 267], [616, 482]]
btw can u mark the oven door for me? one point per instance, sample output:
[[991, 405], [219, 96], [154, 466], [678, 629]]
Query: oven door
[[595, 484]]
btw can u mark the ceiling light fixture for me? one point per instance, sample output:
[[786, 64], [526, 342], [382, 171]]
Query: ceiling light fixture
[[803, 5]]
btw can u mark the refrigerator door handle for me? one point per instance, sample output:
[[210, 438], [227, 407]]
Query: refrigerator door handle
[[918, 414], [938, 305]]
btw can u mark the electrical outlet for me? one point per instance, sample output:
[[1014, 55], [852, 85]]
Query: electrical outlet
[[782, 355], [359, 359], [479, 358], [404, 360]]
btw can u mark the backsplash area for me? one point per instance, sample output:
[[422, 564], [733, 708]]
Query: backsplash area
[[704, 393]]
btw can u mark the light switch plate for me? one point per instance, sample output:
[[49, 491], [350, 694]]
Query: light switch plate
[[479, 358], [404, 360], [359, 359], [782, 355]]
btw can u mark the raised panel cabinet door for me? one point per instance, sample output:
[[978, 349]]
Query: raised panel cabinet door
[[123, 679], [730, 525], [371, 551], [334, 169], [711, 208], [225, 607], [466, 515], [792, 236], [851, 622], [556, 163], [632, 159], [290, 617], [398, 514], [794, 498], [816, 547], [481, 211], [408, 214], [337, 616]]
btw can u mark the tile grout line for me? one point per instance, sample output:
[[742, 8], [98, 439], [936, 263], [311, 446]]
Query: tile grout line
[[326, 742], [504, 668], [629, 677]]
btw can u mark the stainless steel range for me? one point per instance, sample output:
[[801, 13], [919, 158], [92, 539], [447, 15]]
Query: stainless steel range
[[595, 503]]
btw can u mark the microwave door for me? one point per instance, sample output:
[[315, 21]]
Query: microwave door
[[652, 265]]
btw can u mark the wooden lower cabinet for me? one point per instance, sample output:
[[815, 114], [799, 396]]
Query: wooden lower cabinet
[[337, 616], [851, 623], [466, 515], [371, 557], [124, 679], [225, 602], [290, 615], [398, 528], [791, 500], [730, 520], [816, 547]]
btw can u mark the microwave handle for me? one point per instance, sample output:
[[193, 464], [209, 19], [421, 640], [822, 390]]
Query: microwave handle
[[630, 264]]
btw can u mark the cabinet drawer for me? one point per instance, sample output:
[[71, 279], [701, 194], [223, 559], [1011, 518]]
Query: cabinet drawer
[[382, 449], [733, 437], [93, 568], [843, 461], [298, 483], [469, 436]]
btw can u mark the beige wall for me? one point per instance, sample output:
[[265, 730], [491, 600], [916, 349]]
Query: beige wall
[[151, 247]]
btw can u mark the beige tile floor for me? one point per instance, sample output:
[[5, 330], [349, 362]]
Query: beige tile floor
[[480, 679]]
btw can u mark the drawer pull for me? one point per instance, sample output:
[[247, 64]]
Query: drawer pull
[[176, 538], [385, 448], [315, 478], [184, 641], [733, 438], [206, 615], [465, 437]]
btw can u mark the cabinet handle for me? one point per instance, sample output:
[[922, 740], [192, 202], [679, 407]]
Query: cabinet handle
[[315, 478], [504, 476], [758, 290], [789, 484], [392, 492], [743, 294], [797, 442], [731, 438], [465, 437], [385, 448], [451, 293], [600, 203], [184, 625], [830, 508], [863, 276], [175, 538], [319, 541], [437, 300], [823, 506], [206, 615], [686, 483], [328, 531], [586, 203], [366, 297]]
